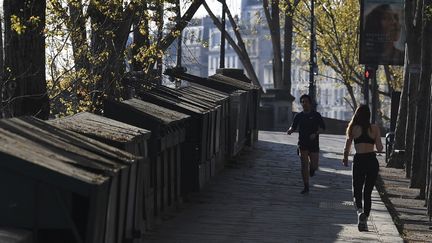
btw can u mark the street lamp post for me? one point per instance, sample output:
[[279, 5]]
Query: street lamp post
[[312, 61]]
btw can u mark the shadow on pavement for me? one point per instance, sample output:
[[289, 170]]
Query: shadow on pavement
[[257, 200]]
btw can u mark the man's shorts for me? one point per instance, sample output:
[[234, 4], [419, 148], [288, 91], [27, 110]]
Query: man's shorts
[[312, 148]]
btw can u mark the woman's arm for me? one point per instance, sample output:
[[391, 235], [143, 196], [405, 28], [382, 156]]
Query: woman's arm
[[378, 142], [347, 149]]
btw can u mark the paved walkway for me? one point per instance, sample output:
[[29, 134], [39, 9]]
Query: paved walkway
[[258, 200]]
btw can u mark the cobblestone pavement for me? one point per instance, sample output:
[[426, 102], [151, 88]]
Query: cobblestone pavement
[[257, 199]]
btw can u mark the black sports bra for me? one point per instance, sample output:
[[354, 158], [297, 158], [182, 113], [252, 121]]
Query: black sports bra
[[364, 138]]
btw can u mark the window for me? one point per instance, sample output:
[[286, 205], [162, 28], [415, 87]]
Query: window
[[215, 39], [268, 76], [255, 66], [252, 47], [326, 96], [322, 98], [192, 37], [335, 97], [185, 35], [199, 37]]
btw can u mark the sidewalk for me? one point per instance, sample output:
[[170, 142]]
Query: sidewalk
[[258, 200], [409, 212]]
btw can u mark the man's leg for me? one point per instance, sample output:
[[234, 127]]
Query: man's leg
[[304, 157], [314, 161]]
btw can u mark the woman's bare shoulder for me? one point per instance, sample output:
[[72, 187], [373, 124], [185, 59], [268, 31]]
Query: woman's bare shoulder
[[374, 126], [356, 126], [356, 131], [375, 129]]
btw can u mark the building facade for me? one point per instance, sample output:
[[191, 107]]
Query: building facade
[[201, 57]]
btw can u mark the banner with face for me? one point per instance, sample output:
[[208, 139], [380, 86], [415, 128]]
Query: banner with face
[[382, 32]]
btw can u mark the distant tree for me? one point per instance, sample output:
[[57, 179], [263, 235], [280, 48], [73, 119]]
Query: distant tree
[[337, 33], [272, 13], [101, 56], [98, 59], [24, 86], [337, 39], [274, 10]]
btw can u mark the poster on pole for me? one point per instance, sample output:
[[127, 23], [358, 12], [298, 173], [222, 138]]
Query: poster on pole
[[382, 32]]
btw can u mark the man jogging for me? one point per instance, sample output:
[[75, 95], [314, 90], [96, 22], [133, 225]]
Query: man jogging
[[310, 124]]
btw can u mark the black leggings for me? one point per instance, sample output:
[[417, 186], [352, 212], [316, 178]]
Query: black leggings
[[365, 172]]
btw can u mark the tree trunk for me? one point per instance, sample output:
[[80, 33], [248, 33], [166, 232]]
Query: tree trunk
[[273, 21], [352, 95], [424, 168], [419, 155], [276, 40], [1, 51], [288, 39], [78, 32], [414, 54], [2, 89], [160, 20], [141, 40], [429, 166], [378, 113], [396, 161], [76, 25], [389, 78], [109, 69], [25, 60]]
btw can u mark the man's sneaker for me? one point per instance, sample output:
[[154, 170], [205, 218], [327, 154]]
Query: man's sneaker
[[362, 222], [305, 190]]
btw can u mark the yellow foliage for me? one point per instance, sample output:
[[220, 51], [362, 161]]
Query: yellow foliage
[[75, 68], [17, 25]]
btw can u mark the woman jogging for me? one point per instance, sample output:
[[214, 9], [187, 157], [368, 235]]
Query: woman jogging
[[365, 165]]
